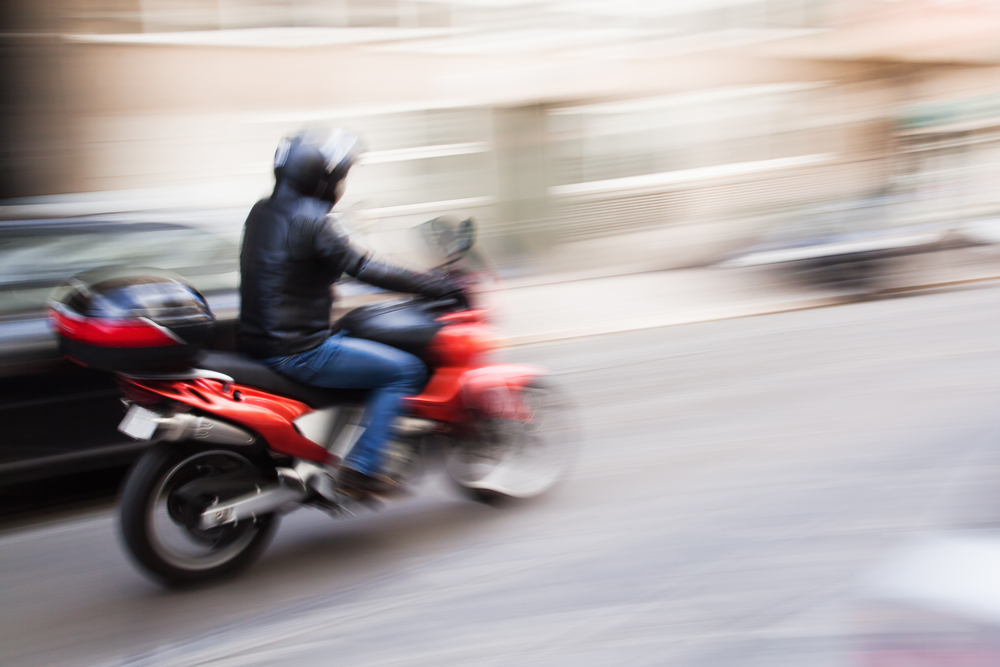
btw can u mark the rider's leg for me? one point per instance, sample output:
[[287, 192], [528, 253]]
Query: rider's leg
[[353, 363]]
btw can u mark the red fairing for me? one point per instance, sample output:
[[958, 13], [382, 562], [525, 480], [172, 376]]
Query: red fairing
[[137, 394], [464, 316], [270, 415], [490, 391], [462, 344], [461, 384], [494, 391], [460, 388], [109, 333]]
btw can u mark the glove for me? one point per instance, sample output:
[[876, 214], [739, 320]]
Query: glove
[[442, 287], [398, 279]]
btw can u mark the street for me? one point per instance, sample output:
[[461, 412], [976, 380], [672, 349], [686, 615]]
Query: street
[[737, 480]]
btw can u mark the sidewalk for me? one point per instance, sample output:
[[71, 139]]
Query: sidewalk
[[551, 308]]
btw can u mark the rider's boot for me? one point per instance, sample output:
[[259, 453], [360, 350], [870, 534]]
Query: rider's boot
[[361, 486], [395, 466], [319, 479]]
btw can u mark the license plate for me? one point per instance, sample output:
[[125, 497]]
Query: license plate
[[139, 423]]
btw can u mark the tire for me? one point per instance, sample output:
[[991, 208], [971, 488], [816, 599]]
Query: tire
[[158, 532], [491, 498], [519, 459]]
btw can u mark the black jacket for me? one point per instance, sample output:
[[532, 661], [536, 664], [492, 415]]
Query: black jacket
[[292, 254]]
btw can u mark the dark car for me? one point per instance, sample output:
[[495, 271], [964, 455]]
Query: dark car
[[56, 417]]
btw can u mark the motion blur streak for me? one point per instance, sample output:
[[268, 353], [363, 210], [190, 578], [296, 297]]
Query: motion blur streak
[[754, 490]]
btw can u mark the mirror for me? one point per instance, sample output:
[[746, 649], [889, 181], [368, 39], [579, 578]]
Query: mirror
[[452, 240]]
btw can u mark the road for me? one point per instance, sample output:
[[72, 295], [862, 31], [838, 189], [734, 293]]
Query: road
[[738, 479]]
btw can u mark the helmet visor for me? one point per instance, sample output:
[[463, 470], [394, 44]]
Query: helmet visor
[[339, 151]]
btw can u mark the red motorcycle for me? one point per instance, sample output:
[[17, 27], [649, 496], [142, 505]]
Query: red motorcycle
[[237, 444]]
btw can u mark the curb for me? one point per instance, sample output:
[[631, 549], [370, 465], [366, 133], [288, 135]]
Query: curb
[[677, 319]]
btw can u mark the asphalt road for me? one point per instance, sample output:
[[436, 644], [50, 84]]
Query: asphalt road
[[738, 479]]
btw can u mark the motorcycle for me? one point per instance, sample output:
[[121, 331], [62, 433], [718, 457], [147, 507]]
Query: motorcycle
[[237, 445]]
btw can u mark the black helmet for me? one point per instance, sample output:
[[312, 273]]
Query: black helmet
[[314, 162]]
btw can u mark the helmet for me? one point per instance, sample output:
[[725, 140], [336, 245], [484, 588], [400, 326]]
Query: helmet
[[315, 162]]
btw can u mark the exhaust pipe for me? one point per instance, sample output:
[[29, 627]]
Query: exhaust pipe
[[290, 488], [184, 426], [262, 501]]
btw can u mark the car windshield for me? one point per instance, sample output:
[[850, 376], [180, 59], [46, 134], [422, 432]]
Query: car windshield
[[36, 257]]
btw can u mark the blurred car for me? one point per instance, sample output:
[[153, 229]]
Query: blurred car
[[37, 255], [847, 243], [56, 417]]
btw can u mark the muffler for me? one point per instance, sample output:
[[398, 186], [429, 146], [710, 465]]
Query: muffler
[[236, 496], [263, 500], [184, 426]]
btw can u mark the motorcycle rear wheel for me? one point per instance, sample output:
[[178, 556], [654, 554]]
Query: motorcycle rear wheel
[[159, 536], [517, 459]]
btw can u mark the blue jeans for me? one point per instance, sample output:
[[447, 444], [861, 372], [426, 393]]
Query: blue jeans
[[352, 363]]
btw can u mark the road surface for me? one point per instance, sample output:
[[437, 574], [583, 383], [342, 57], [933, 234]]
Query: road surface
[[737, 480]]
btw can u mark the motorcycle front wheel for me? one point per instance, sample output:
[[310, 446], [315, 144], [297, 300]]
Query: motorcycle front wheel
[[159, 525], [519, 458]]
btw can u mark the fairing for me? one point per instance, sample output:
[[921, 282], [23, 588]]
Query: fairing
[[457, 394], [460, 390], [269, 415]]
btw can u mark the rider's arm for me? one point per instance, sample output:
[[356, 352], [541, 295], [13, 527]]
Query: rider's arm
[[336, 249], [393, 278]]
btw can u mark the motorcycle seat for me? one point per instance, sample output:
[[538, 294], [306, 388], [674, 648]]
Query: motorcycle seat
[[258, 375]]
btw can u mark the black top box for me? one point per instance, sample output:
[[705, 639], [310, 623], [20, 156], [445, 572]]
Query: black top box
[[131, 321]]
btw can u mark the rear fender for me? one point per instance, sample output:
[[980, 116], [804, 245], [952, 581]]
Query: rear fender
[[268, 415]]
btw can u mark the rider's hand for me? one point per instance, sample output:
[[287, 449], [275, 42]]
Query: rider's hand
[[444, 287]]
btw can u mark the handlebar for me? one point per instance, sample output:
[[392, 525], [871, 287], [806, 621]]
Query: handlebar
[[459, 300]]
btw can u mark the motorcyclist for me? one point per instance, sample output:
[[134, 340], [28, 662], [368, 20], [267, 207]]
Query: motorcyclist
[[292, 254]]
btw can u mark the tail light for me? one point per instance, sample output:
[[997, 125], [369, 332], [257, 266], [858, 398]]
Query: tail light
[[110, 333]]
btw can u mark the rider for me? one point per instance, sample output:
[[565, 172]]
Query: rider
[[292, 254]]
